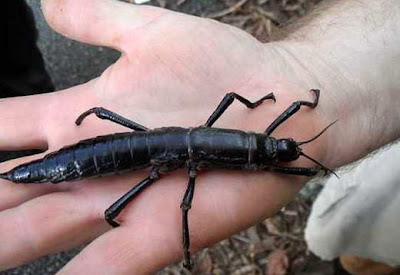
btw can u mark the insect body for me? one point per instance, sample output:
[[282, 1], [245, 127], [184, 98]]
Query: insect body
[[167, 149]]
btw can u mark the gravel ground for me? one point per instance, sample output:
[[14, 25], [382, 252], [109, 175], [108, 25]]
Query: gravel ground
[[275, 244]]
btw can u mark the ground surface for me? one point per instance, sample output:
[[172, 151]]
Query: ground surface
[[275, 246]]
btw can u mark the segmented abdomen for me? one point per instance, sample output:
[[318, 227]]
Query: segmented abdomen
[[111, 154]]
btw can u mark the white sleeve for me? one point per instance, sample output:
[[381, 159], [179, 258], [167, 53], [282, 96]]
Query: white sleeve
[[359, 213]]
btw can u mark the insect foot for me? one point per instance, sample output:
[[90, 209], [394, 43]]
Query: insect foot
[[110, 215]]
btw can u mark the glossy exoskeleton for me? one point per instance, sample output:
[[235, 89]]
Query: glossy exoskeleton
[[167, 149]]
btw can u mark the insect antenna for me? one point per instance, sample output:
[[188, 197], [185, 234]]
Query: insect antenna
[[320, 164], [317, 136]]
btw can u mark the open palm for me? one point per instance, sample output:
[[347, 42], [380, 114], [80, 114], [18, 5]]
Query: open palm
[[173, 71]]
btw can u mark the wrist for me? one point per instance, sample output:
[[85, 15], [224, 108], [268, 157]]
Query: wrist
[[290, 83], [351, 53], [364, 103]]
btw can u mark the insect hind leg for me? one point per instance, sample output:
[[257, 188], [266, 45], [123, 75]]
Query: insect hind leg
[[109, 115]]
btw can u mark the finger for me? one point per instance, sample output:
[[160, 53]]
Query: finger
[[58, 221], [60, 130], [119, 252], [41, 121], [12, 194], [21, 126], [49, 224], [150, 235], [110, 20]]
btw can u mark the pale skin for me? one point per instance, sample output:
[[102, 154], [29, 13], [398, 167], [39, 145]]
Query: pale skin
[[174, 70]]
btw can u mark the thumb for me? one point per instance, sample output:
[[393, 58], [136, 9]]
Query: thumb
[[100, 22]]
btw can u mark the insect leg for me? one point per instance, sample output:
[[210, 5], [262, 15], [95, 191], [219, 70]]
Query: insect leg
[[301, 171], [291, 111], [228, 99], [112, 212], [185, 206], [106, 114]]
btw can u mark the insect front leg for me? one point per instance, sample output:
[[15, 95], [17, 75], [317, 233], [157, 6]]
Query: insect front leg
[[300, 171], [113, 211], [294, 108], [108, 115], [228, 99], [185, 206]]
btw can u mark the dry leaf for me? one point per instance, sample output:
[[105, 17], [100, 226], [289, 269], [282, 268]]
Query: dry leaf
[[278, 262], [204, 264]]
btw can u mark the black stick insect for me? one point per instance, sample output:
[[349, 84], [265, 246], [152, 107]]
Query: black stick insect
[[167, 149]]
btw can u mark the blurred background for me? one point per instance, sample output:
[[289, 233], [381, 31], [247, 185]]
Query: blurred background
[[275, 246]]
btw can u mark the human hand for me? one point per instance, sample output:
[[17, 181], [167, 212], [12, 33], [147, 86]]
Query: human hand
[[174, 70]]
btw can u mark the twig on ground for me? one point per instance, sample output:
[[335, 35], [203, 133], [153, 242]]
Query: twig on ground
[[227, 11]]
